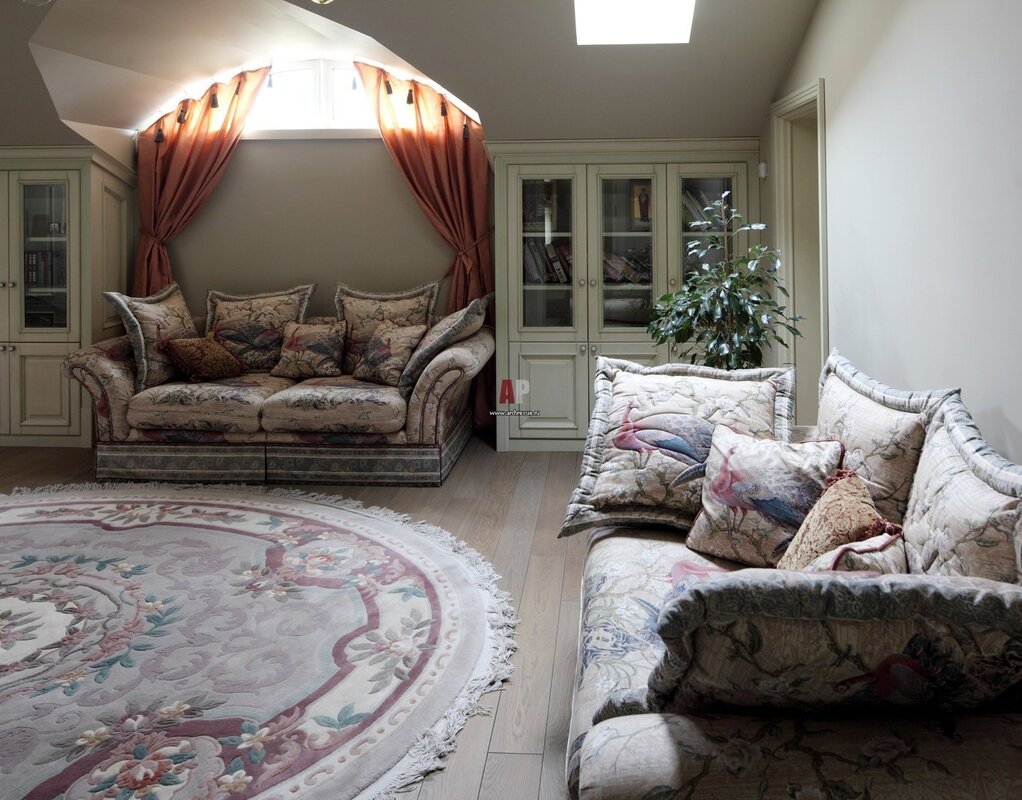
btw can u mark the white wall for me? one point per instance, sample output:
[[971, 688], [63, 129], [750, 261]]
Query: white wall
[[924, 194], [323, 211]]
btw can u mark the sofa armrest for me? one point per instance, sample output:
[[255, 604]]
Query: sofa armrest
[[107, 370], [441, 393]]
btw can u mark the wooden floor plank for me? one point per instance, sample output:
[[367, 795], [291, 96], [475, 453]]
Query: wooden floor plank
[[558, 712], [511, 777]]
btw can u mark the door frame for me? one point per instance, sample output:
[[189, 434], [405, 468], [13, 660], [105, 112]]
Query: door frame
[[805, 102]]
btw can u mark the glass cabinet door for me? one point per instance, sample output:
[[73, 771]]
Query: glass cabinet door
[[697, 194], [45, 234], [546, 256], [623, 279]]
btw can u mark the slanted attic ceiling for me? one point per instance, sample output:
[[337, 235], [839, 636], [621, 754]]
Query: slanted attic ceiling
[[115, 62]]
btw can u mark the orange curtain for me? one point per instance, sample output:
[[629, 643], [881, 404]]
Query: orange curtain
[[439, 151], [181, 158]]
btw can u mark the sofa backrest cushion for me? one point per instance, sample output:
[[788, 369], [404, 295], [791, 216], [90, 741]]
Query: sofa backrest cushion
[[756, 495], [881, 428], [252, 326], [363, 311], [759, 637], [149, 322], [451, 329], [650, 434], [965, 512]]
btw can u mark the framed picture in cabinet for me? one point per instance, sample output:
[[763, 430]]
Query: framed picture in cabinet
[[539, 205], [642, 205]]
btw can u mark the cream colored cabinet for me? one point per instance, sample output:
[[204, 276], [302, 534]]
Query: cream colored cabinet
[[65, 234], [588, 236]]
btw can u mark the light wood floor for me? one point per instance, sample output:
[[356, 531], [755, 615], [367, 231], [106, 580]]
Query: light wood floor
[[508, 506]]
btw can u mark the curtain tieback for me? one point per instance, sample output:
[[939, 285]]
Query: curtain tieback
[[152, 235], [463, 253]]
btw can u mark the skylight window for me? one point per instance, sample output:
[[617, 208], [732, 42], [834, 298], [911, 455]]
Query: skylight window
[[634, 21], [311, 96]]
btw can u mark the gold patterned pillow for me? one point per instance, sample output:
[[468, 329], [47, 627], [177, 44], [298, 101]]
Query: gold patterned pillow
[[150, 321], [387, 352], [363, 311], [844, 514], [311, 351], [203, 359], [757, 493], [252, 326]]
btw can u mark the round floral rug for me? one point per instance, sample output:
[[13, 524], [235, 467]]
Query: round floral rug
[[160, 643]]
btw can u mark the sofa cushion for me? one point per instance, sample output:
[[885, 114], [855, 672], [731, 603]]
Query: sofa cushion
[[387, 353], [451, 329], [339, 405], [811, 640], [845, 513], [230, 404], [757, 493], [881, 428], [203, 359], [965, 511], [883, 554], [363, 311], [311, 351], [149, 321], [252, 326], [650, 432], [627, 577]]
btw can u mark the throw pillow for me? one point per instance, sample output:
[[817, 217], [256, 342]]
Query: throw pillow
[[881, 428], [252, 326], [387, 353], [311, 351], [965, 511], [845, 513], [150, 321], [363, 311], [202, 358], [883, 554], [785, 639], [452, 328], [757, 493], [650, 434]]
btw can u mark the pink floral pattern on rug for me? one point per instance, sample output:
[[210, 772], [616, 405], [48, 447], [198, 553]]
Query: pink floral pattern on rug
[[203, 644]]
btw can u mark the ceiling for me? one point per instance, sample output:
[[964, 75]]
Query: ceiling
[[116, 63]]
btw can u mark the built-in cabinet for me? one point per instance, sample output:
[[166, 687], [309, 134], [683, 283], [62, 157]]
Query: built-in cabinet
[[65, 230], [588, 236]]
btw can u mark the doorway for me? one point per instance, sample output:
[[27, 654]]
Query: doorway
[[800, 209]]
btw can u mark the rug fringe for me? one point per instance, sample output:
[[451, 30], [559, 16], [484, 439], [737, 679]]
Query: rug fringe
[[427, 753]]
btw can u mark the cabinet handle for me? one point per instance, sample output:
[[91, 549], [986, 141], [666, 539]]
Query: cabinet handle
[[581, 281], [11, 348], [592, 281], [3, 284], [673, 282], [10, 285], [581, 348], [3, 348], [593, 349]]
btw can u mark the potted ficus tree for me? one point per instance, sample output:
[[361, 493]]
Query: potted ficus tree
[[726, 312]]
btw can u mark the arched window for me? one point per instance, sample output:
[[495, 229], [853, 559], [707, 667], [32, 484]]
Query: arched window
[[312, 99]]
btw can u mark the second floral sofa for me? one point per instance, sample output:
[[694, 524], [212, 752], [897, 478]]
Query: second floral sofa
[[276, 425]]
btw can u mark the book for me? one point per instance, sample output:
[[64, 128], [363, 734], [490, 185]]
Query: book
[[555, 261], [532, 272], [564, 251]]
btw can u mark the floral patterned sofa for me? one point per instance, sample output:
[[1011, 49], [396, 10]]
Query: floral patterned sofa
[[676, 695], [258, 427]]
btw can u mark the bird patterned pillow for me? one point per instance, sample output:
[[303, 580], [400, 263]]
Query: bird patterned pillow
[[650, 436], [252, 326], [756, 494], [311, 351], [387, 353]]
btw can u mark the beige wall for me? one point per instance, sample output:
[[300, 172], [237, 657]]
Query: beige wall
[[924, 194], [323, 211]]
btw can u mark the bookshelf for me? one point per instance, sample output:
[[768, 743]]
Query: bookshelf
[[588, 236], [65, 216]]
